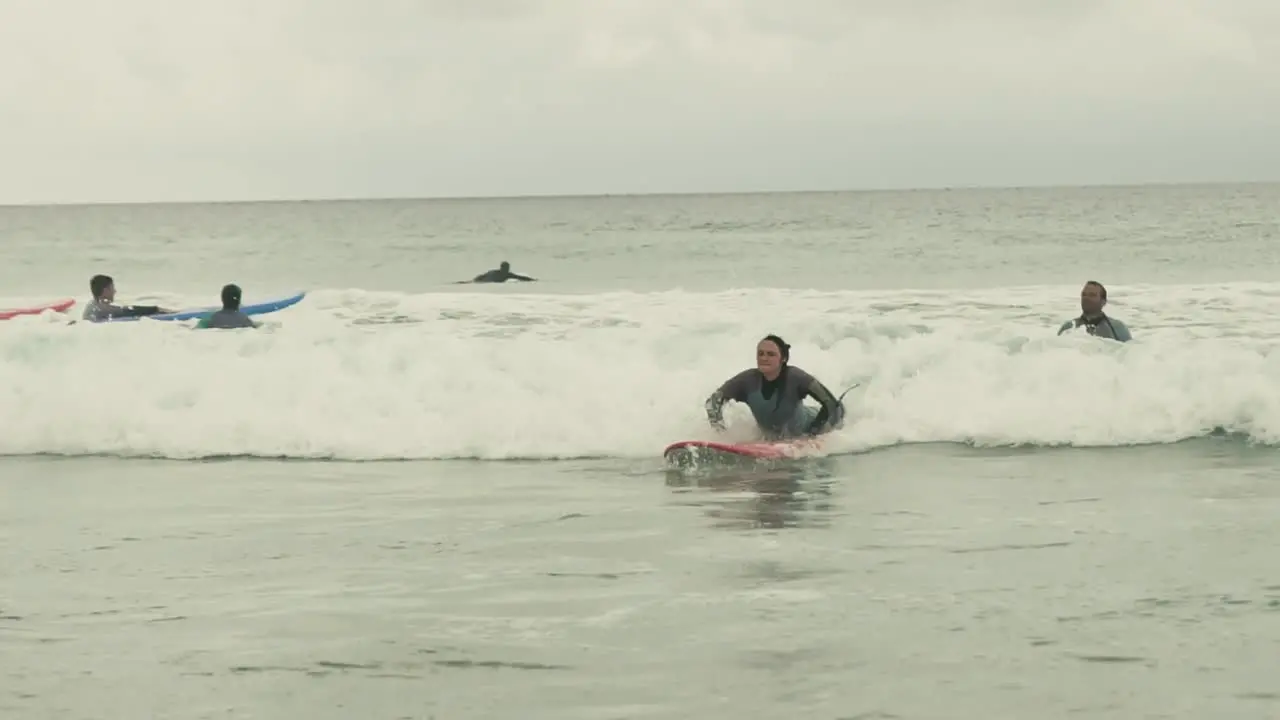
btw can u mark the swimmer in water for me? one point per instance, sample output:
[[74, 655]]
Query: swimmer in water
[[502, 274], [230, 316], [1092, 299], [103, 307], [774, 390]]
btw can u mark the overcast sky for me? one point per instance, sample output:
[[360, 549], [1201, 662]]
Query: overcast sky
[[137, 100]]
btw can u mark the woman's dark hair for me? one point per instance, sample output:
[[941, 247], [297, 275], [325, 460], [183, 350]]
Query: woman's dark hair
[[231, 297], [783, 348]]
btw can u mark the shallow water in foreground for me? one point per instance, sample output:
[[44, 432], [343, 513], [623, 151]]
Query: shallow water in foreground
[[914, 582]]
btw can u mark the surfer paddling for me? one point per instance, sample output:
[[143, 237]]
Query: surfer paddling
[[501, 275], [774, 390], [102, 306], [1092, 299]]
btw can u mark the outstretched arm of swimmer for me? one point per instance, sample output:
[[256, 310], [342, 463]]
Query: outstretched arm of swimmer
[[832, 413], [139, 311], [733, 389], [715, 409], [515, 276]]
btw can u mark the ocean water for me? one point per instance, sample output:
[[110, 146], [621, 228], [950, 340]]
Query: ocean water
[[410, 498]]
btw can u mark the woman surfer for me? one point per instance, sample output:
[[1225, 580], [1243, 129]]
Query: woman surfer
[[775, 391]]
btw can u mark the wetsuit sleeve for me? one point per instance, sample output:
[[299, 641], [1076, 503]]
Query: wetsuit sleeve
[[1066, 326], [735, 388], [1120, 330], [106, 311], [832, 413], [525, 278], [138, 310]]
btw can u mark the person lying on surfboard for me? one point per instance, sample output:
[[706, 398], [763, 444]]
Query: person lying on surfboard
[[102, 306], [775, 391], [501, 275]]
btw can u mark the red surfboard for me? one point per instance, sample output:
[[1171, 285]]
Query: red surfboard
[[56, 306], [687, 450]]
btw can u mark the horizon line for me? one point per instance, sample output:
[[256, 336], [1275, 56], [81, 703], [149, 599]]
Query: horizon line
[[651, 194]]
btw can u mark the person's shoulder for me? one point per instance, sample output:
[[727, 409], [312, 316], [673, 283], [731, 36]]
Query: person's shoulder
[[739, 382], [95, 310], [799, 375], [1120, 329], [1117, 324], [1070, 324]]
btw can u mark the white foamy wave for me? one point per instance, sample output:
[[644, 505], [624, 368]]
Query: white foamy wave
[[361, 376]]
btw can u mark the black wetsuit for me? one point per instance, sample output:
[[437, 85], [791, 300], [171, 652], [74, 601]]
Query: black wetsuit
[[1100, 325], [100, 310], [499, 275], [778, 405]]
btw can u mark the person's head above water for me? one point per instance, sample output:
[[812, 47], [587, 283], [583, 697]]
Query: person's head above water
[[772, 354], [102, 287], [230, 297], [504, 265], [1093, 296]]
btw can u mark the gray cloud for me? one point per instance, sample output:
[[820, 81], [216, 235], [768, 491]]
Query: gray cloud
[[146, 99]]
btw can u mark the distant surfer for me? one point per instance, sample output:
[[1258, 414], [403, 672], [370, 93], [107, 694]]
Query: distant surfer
[[1095, 322], [774, 391], [103, 306], [501, 275], [230, 316]]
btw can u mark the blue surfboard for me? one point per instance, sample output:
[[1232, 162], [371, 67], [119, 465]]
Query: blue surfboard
[[261, 308]]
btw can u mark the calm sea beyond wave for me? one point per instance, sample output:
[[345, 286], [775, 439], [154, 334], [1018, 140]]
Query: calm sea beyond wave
[[406, 497]]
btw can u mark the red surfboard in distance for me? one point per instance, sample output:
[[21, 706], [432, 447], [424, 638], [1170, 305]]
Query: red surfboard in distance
[[56, 306]]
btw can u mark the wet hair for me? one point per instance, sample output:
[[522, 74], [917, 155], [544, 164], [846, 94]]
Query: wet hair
[[230, 297], [98, 284], [783, 348], [1102, 290]]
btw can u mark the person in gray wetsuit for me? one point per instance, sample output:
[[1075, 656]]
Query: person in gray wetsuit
[[775, 391], [102, 307], [230, 316], [1092, 299], [502, 274]]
